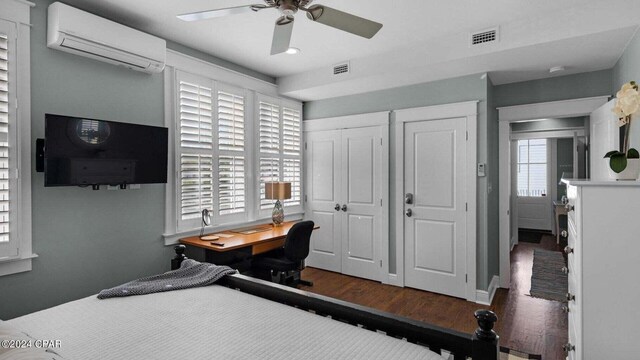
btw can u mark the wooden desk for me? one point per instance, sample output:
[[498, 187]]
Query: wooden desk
[[256, 243], [559, 209]]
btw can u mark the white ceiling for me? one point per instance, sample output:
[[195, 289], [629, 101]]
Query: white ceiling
[[422, 40]]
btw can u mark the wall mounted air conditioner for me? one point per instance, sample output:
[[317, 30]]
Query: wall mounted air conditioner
[[85, 34]]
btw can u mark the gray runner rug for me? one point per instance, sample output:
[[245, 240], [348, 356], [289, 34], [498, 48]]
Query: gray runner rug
[[547, 280]]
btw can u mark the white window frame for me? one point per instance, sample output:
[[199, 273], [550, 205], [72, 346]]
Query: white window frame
[[282, 103], [528, 163], [221, 79], [16, 14]]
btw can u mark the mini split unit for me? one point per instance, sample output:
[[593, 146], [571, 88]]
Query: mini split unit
[[81, 33]]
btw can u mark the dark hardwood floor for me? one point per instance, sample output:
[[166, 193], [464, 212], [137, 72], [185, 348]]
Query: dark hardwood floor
[[526, 324]]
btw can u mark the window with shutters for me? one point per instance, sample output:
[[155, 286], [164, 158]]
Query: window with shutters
[[280, 150], [212, 151], [15, 122], [228, 142], [532, 168], [9, 248]]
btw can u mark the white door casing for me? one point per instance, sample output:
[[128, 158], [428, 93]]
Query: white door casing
[[508, 115], [466, 155], [361, 188], [323, 174], [435, 231]]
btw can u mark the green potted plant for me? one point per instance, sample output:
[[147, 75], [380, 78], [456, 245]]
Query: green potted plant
[[625, 164]]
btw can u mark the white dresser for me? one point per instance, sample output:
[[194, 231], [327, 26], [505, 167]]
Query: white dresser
[[604, 270]]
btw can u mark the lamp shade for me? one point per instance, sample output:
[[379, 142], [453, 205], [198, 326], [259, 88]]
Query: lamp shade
[[277, 190]]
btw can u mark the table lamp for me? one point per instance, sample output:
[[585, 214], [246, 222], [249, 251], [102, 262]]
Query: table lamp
[[277, 191]]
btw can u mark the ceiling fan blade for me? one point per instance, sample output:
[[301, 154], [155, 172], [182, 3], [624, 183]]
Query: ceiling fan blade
[[343, 21], [210, 14], [282, 35]]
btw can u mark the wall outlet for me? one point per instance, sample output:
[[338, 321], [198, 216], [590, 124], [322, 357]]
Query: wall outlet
[[111, 187]]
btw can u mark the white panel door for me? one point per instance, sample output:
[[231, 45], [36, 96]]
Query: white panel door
[[533, 182], [362, 218], [605, 137], [323, 174], [435, 228]]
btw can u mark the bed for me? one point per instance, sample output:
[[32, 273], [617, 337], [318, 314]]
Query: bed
[[246, 318]]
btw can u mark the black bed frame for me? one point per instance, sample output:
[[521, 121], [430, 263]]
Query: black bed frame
[[482, 345]]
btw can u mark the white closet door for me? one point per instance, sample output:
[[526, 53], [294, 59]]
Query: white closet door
[[323, 174], [435, 215], [362, 208]]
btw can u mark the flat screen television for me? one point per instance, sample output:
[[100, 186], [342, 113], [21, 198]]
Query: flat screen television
[[83, 152]]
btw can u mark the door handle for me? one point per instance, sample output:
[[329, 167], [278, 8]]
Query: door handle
[[344, 207], [337, 207], [409, 213], [408, 198]]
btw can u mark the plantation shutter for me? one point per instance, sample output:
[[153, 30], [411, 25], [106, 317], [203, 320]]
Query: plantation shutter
[[292, 173], [280, 149], [231, 148], [9, 241], [196, 144], [269, 128], [291, 131], [292, 162], [4, 138], [269, 148], [269, 171]]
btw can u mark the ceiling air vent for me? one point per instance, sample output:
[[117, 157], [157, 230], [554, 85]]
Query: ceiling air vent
[[341, 69], [484, 37]]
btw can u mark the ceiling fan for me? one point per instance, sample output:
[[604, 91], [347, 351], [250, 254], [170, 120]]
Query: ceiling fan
[[284, 25]]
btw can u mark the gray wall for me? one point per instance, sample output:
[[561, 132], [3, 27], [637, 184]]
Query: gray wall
[[576, 86], [87, 240], [466, 88], [564, 163], [628, 69], [493, 183]]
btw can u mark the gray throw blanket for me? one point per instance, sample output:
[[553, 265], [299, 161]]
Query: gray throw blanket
[[191, 274]]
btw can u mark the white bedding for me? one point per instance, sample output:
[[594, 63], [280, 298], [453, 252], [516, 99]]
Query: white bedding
[[212, 322]]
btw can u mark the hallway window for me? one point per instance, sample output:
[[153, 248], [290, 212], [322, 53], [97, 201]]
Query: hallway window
[[532, 167]]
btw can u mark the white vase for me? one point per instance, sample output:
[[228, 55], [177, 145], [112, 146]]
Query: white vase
[[631, 172]]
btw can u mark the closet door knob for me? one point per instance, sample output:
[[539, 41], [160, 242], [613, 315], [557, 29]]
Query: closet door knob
[[409, 213], [570, 297], [568, 250], [569, 207], [568, 347], [344, 207], [565, 308], [337, 207], [564, 233], [565, 270]]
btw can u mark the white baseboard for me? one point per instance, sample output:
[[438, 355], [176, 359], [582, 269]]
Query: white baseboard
[[513, 243], [486, 297]]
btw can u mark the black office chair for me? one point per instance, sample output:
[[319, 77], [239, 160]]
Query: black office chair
[[284, 265]]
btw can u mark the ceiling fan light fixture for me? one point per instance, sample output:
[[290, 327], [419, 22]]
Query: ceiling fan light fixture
[[292, 51]]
